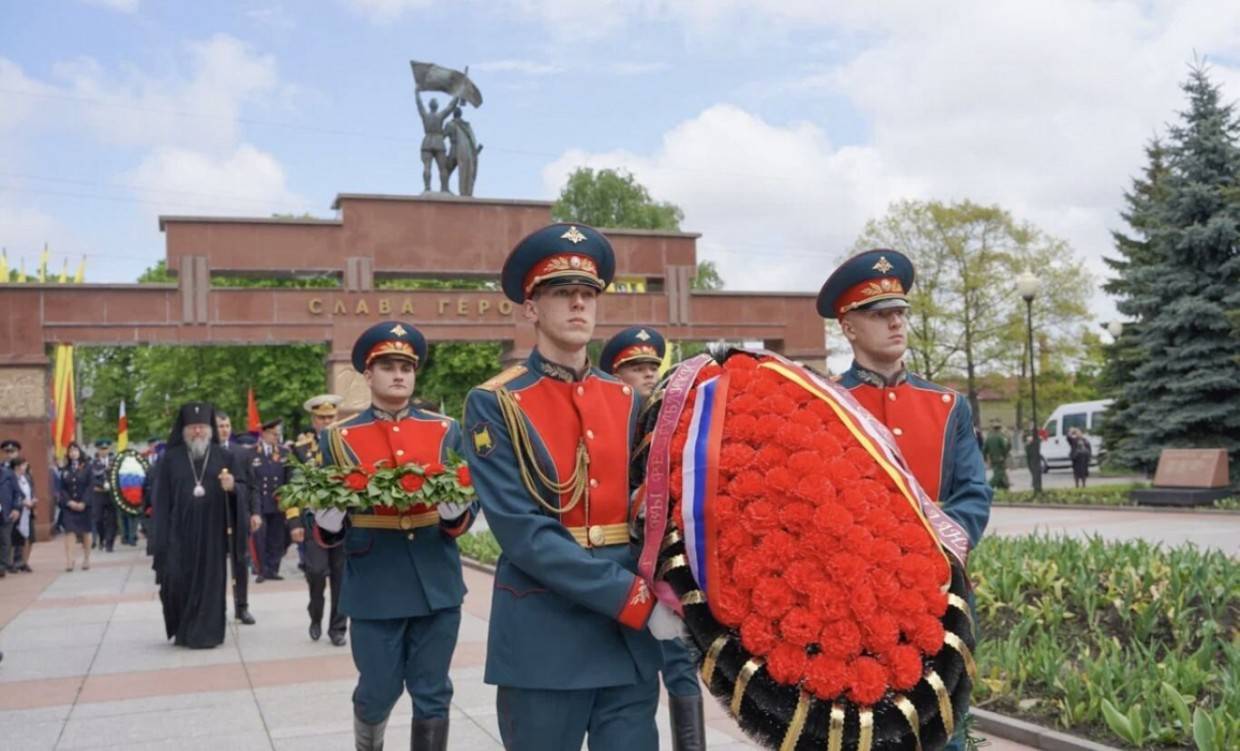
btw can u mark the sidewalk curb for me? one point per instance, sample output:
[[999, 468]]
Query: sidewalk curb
[[485, 568], [1099, 507], [1032, 735]]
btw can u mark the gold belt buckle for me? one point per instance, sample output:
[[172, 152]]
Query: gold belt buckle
[[596, 536], [406, 523]]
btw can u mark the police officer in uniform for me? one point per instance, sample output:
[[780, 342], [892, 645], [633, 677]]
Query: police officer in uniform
[[572, 642], [402, 579], [268, 471], [102, 507], [634, 356], [323, 562], [933, 425]]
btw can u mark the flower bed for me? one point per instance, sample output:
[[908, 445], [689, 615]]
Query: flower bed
[[1128, 643]]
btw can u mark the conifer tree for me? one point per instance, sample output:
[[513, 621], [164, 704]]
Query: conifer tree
[[1179, 279]]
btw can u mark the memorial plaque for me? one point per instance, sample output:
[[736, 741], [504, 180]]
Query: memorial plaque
[[1192, 468]]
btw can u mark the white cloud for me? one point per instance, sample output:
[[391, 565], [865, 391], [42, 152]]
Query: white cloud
[[1043, 108], [246, 181], [387, 10], [636, 68], [201, 110], [776, 204], [21, 95], [120, 6]]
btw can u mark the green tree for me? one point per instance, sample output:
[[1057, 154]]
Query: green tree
[[966, 316], [612, 199], [1178, 277]]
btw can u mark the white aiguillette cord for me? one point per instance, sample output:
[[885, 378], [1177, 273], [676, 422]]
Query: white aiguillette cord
[[199, 490]]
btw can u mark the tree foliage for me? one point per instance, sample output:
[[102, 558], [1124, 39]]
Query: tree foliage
[[1176, 368], [155, 380], [612, 199], [967, 317]]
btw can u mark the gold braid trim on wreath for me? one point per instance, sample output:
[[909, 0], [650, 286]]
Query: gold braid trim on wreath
[[527, 459]]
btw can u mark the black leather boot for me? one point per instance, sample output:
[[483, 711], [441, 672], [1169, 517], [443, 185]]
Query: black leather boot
[[429, 735], [688, 723], [368, 737]]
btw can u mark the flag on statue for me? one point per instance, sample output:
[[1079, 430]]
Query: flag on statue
[[253, 423], [44, 257], [122, 430]]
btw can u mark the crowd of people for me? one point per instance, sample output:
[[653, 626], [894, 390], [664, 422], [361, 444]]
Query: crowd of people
[[577, 640]]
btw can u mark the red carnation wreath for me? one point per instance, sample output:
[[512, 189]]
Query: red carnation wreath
[[821, 565]]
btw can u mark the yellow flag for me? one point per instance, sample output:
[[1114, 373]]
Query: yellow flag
[[4, 266], [64, 273], [43, 259], [21, 272], [80, 276]]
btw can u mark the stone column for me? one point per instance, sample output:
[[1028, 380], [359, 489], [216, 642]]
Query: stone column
[[24, 418]]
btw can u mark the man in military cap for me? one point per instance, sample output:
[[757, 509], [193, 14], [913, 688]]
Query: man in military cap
[[634, 356], [323, 562], [268, 471], [932, 425], [102, 507], [402, 579], [996, 450], [570, 644]]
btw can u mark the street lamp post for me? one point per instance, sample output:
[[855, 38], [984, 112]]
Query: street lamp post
[[1028, 285]]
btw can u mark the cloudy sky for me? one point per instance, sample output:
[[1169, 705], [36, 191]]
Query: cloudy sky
[[779, 126]]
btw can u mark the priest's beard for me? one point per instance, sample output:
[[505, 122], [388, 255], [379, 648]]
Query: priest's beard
[[197, 447]]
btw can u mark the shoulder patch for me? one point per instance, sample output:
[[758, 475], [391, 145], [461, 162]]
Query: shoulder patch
[[483, 444], [516, 371]]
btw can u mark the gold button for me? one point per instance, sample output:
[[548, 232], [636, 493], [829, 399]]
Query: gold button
[[897, 431], [395, 428], [344, 431], [517, 397], [400, 452], [443, 423], [891, 395], [590, 434], [946, 398], [627, 390], [410, 535], [593, 483], [581, 391], [406, 522], [596, 535]]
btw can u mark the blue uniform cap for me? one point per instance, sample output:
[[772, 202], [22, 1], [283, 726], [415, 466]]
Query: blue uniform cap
[[872, 280], [103, 443], [558, 254], [389, 339], [634, 344]]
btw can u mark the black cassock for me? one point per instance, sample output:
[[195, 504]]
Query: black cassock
[[191, 545]]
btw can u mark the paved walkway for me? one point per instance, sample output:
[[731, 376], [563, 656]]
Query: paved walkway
[[85, 666], [1171, 528], [1062, 478]]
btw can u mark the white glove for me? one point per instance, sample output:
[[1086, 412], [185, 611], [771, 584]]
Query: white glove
[[664, 624], [329, 520], [451, 511]]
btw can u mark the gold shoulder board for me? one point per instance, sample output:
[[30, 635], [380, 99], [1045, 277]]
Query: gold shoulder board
[[514, 372]]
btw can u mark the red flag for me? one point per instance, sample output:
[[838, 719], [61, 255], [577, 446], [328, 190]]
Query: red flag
[[253, 423]]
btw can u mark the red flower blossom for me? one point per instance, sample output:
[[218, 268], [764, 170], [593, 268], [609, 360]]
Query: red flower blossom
[[803, 462], [463, 478], [778, 404], [832, 516], [747, 485], [808, 419], [411, 483], [758, 634], [772, 597], [863, 604], [884, 583], [826, 677], [842, 470], [908, 602], [800, 627], [434, 470], [797, 394], [675, 483], [847, 569], [739, 380], [869, 681], [730, 605], [828, 602], [766, 384], [761, 517], [743, 404], [840, 639], [778, 546], [862, 461], [803, 575], [787, 664], [740, 362], [880, 633], [796, 517], [733, 540], [904, 667], [857, 538], [792, 436], [771, 457], [926, 634], [734, 457], [356, 480], [738, 427], [815, 487], [767, 427], [824, 413], [842, 433], [936, 603], [748, 567], [911, 537]]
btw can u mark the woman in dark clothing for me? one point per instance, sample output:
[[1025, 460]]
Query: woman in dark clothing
[[74, 511], [1080, 452]]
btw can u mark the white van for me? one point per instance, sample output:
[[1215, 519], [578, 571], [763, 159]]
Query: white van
[[1088, 417]]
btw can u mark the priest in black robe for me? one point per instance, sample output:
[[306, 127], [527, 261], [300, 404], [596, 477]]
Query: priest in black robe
[[195, 486]]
